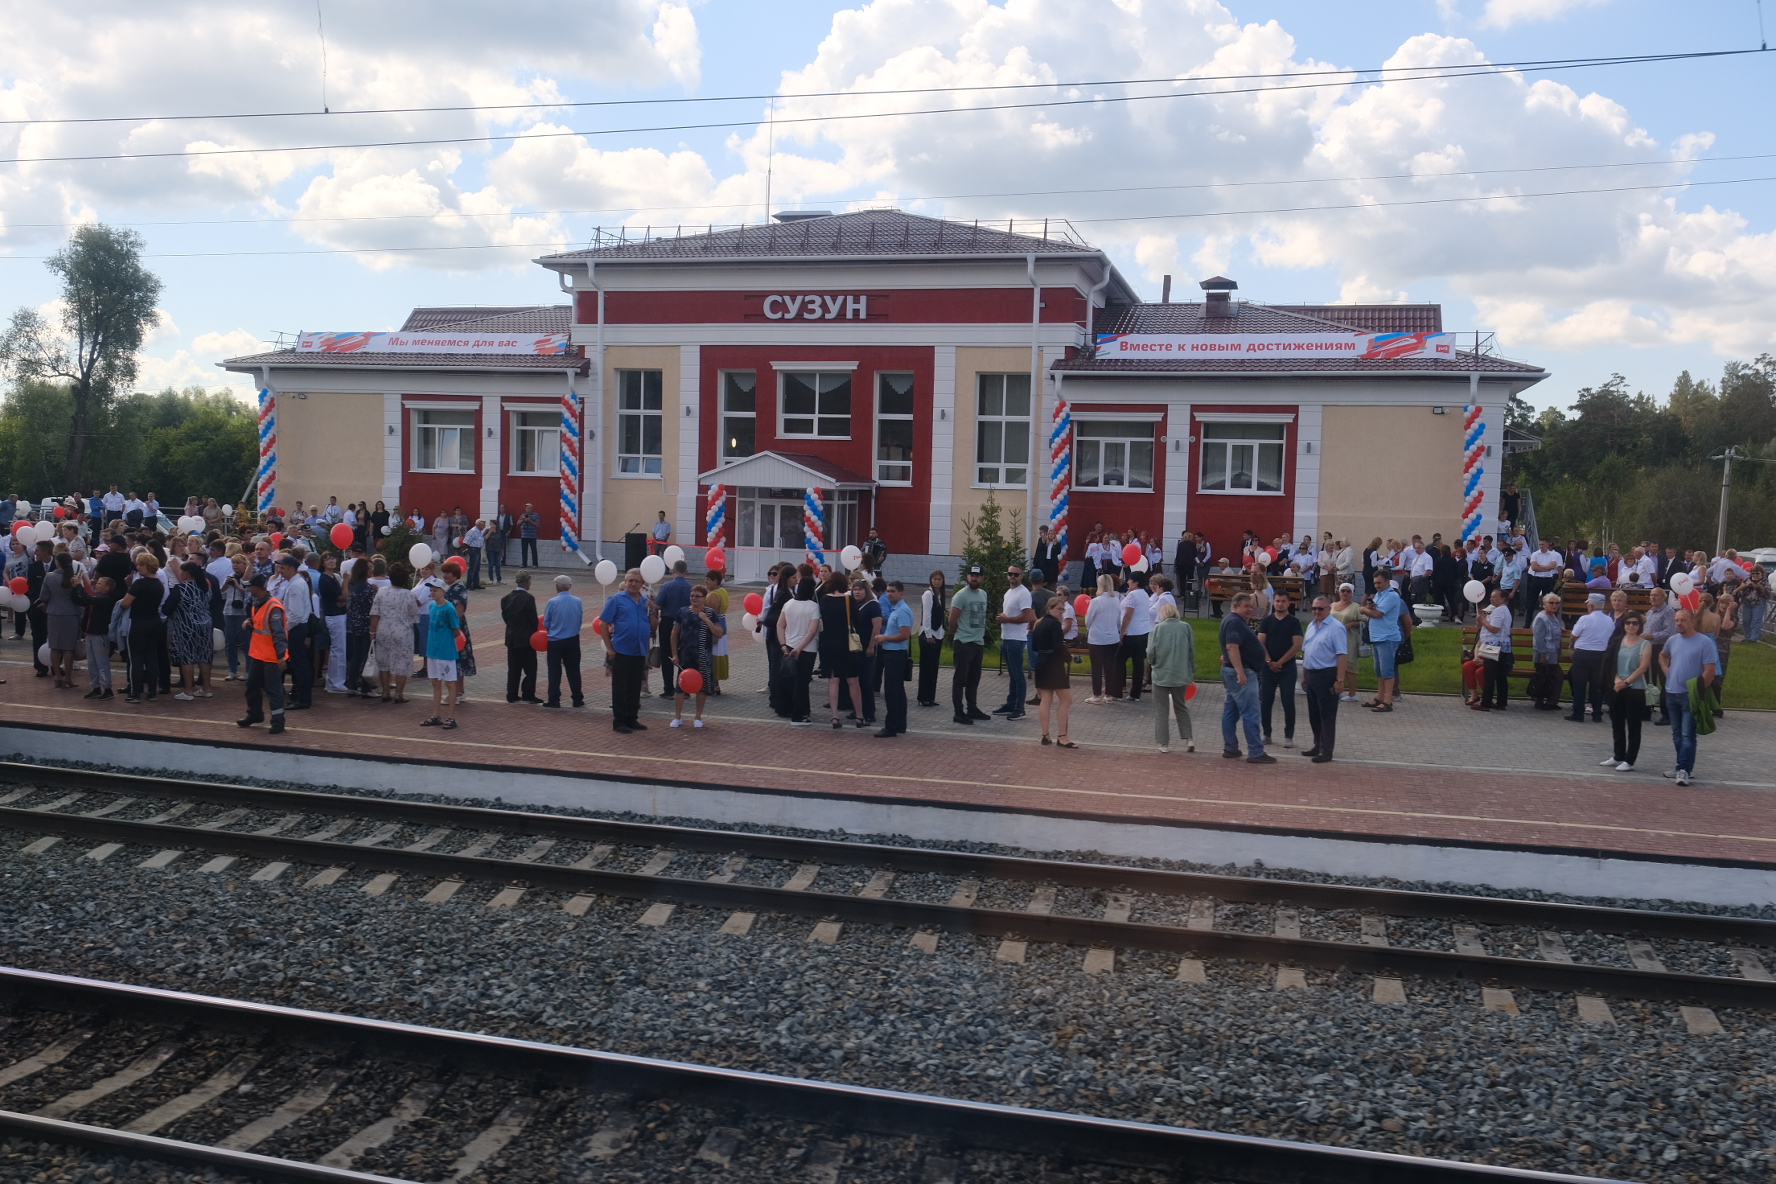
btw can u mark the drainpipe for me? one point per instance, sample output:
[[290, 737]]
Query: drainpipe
[[1091, 304], [1030, 473], [591, 450]]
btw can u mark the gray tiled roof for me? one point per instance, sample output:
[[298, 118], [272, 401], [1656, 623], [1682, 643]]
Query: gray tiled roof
[[370, 361], [1270, 318], [520, 318], [865, 233], [1462, 363]]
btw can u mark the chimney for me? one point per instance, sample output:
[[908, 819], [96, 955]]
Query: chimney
[[1165, 291], [1218, 304]]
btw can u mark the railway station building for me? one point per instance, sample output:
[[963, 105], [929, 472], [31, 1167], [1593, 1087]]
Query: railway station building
[[893, 370]]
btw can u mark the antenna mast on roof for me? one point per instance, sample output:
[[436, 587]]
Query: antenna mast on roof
[[770, 149]]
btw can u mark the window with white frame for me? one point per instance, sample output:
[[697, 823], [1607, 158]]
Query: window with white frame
[[639, 412], [739, 436], [1242, 458], [815, 404], [894, 429], [1108, 454], [1002, 430], [536, 443], [443, 441]]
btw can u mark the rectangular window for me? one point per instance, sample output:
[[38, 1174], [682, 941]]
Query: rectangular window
[[639, 405], [536, 443], [739, 414], [894, 429], [1112, 455], [815, 405], [1242, 458], [1002, 430], [443, 441]]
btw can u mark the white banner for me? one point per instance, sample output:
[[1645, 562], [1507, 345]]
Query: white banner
[[1368, 346], [535, 344]]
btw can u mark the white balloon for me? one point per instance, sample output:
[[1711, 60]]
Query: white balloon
[[388, 530], [852, 558], [605, 573], [228, 509], [1140, 564], [218, 640], [419, 555], [748, 622], [20, 602], [1264, 557], [43, 532], [673, 555], [652, 568], [1683, 583], [43, 653], [1475, 591]]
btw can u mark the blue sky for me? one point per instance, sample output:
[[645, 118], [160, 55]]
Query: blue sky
[[1646, 282]]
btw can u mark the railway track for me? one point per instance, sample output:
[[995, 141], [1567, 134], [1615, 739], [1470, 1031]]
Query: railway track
[[394, 838], [277, 1093]]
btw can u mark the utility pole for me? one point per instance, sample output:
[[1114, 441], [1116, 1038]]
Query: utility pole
[[1729, 454]]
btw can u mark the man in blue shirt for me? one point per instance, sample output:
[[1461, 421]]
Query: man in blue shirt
[[891, 644], [1689, 655], [629, 622], [1241, 656], [1388, 624], [673, 597], [1324, 652], [562, 617], [527, 536]]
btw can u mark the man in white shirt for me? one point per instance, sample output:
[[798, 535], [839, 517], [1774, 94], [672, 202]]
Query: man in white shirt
[[134, 510], [1544, 569], [113, 501], [292, 590], [473, 541], [1016, 615], [220, 567], [1644, 565], [1418, 568], [1137, 624], [334, 511], [1717, 571], [1591, 638]]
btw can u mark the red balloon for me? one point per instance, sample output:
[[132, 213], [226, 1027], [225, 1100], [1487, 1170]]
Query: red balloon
[[597, 626], [20, 527], [539, 641], [61, 511], [754, 603], [462, 643], [19, 584], [1081, 603], [690, 682], [715, 559], [1131, 553], [342, 535], [1189, 692], [277, 540]]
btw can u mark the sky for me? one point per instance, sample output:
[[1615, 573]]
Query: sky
[[1452, 190]]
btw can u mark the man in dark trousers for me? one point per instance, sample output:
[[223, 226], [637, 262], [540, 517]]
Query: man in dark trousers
[[266, 636], [1050, 556], [673, 597], [41, 557], [518, 609], [875, 552]]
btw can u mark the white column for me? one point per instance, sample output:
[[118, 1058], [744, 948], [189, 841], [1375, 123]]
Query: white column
[[493, 454], [1176, 515], [392, 429], [1307, 472], [943, 446], [1493, 414], [686, 527]]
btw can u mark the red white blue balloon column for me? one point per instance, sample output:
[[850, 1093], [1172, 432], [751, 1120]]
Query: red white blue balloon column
[[715, 517], [1060, 482], [570, 473], [266, 489], [1474, 449], [814, 525]]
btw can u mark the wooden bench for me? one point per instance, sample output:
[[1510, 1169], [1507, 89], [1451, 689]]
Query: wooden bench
[[1225, 588], [1574, 596], [1522, 645]]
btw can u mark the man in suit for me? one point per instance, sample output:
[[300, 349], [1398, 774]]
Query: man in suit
[[518, 610], [1051, 555]]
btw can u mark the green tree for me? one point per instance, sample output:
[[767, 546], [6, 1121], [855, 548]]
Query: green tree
[[108, 305], [984, 542], [204, 445], [399, 540]]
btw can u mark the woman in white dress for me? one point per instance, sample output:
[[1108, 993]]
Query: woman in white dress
[[393, 615]]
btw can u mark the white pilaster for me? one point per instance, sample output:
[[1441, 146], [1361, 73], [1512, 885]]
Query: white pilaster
[[943, 446], [688, 526], [391, 448], [1176, 514], [493, 455], [1307, 472]]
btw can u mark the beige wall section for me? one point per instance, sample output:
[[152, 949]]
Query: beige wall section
[[629, 500], [965, 497], [329, 445], [1388, 470]]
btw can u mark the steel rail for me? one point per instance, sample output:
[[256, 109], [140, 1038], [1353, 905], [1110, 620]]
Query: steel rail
[[974, 1124], [1487, 910], [1709, 990]]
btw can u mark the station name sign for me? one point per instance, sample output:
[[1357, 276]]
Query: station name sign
[[815, 307], [530, 344], [1364, 346]]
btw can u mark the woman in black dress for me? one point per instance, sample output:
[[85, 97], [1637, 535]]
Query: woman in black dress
[[1048, 641], [837, 635]]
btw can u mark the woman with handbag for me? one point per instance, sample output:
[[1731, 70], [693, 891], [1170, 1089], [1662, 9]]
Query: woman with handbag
[[838, 645], [1627, 697], [1493, 648], [933, 604]]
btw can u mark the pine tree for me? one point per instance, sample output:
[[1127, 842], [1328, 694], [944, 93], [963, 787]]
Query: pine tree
[[984, 543]]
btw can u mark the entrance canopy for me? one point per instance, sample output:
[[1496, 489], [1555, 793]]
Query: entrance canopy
[[786, 470]]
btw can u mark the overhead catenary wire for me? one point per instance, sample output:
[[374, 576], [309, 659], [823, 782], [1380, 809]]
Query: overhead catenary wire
[[1457, 72]]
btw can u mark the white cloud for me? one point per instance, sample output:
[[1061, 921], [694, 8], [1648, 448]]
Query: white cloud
[[1502, 14], [675, 40]]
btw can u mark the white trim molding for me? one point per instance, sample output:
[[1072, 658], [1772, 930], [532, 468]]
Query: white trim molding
[[1242, 417], [814, 365], [943, 446]]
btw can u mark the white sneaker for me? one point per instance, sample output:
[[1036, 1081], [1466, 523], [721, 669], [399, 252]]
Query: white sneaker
[[1624, 767], [1683, 776], [1189, 746], [677, 723], [184, 698], [1288, 743], [1607, 762], [696, 723], [1163, 748]]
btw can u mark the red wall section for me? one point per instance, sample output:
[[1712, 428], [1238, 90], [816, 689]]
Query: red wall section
[[432, 492], [1119, 512], [902, 512], [1224, 517], [960, 306], [543, 492]]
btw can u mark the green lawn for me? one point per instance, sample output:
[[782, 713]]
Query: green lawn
[[1436, 668]]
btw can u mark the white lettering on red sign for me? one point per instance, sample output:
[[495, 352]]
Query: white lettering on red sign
[[816, 308]]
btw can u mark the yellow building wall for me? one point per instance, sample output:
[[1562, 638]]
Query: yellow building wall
[[965, 498], [1388, 470], [629, 499], [329, 445]]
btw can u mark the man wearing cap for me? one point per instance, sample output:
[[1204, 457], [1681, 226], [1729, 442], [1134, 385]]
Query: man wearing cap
[[968, 625], [289, 587], [268, 647], [1016, 615], [1591, 638]]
